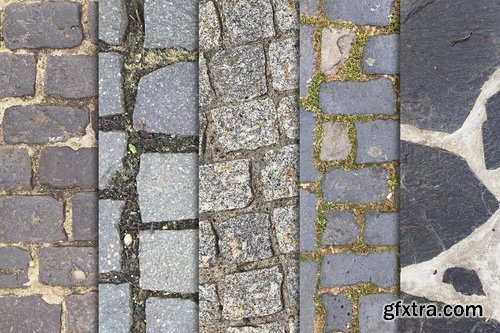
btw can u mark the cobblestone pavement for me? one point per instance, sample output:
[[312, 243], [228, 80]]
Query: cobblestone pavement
[[48, 203], [248, 166], [349, 147], [148, 166]]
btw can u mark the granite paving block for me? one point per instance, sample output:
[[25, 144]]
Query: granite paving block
[[377, 141], [111, 99], [34, 219], [209, 305], [166, 100], [338, 312], [283, 63], [279, 175], [371, 12], [308, 171], [341, 228], [171, 23], [381, 55], [84, 213], [178, 273], [336, 144], [167, 187], [42, 25], [335, 48], [113, 21], [306, 58], [115, 308], [292, 284], [490, 130], [264, 328], [68, 266], [208, 247], [171, 315], [44, 124], [18, 68], [343, 269], [210, 30], [31, 313], [308, 7], [371, 318], [206, 92], [92, 21], [81, 312], [381, 229], [15, 169], [372, 97], [112, 151], [110, 246], [307, 213], [286, 223], [14, 265], [248, 21], [288, 114], [308, 271], [286, 15]]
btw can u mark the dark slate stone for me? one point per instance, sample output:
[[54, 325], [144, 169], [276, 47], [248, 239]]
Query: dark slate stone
[[307, 220], [428, 224], [308, 271], [491, 133], [373, 12], [441, 81], [338, 312], [465, 281], [29, 314], [308, 172], [17, 75]]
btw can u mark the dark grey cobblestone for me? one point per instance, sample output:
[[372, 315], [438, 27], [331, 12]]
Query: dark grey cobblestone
[[14, 265], [338, 312], [84, 215], [209, 305], [171, 315], [113, 21], [18, 68], [341, 228], [372, 12], [308, 171], [381, 55], [81, 313], [377, 141], [381, 229], [307, 211], [115, 312], [15, 169], [93, 19], [68, 266], [308, 271], [210, 29], [371, 317], [32, 312]]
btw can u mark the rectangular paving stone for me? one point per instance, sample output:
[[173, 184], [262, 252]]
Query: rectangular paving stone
[[208, 248], [341, 228], [206, 93], [84, 213], [15, 168], [292, 285], [168, 260], [381, 229], [307, 219], [336, 144], [68, 266], [377, 141], [31, 219], [111, 99], [18, 68], [286, 224], [306, 58], [81, 312], [372, 12], [280, 175], [307, 279], [343, 269], [115, 308], [171, 315], [93, 19], [338, 310], [381, 55], [112, 150], [42, 25], [288, 114], [210, 29], [32, 311], [39, 124], [14, 265], [371, 313], [110, 246], [209, 305], [283, 63], [113, 21]]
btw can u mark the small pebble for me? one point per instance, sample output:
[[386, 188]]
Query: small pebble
[[127, 240]]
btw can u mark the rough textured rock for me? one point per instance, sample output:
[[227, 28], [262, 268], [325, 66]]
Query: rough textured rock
[[336, 144], [208, 246], [15, 169], [18, 68], [288, 114], [210, 30], [286, 16], [335, 47], [279, 176]]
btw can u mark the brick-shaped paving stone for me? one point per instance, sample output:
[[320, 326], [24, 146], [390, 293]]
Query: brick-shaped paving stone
[[208, 247], [248, 21], [308, 7], [338, 312], [110, 248], [377, 141], [288, 114], [307, 279], [210, 30], [371, 12], [111, 100], [381, 229], [381, 55], [249, 125], [371, 313], [115, 308], [263, 328], [71, 76], [15, 169], [346, 269], [279, 175], [292, 284], [18, 68], [42, 25], [306, 58], [63, 167], [31, 219], [178, 273], [225, 185], [286, 14], [341, 228], [335, 48], [307, 220], [68, 266], [245, 238], [81, 313], [209, 305], [336, 144], [206, 93], [253, 294], [166, 100], [364, 185], [84, 212], [92, 21], [14, 265], [171, 315], [113, 21], [286, 223], [43, 124], [238, 74], [112, 151], [283, 63], [371, 97], [308, 171], [31, 313], [171, 23], [167, 187]]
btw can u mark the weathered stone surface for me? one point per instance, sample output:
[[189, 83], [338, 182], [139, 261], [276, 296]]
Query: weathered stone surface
[[307, 219], [465, 281], [68, 266], [113, 21], [166, 100], [248, 21], [264, 328], [238, 74], [115, 308], [171, 315], [288, 114], [308, 271], [14, 264], [280, 175], [31, 313], [286, 16], [283, 63], [309, 7], [286, 224], [209, 305], [343, 269], [381, 55], [71, 76], [31, 219], [364, 185], [208, 247], [372, 12], [335, 47], [15, 169], [43, 124], [42, 25], [167, 187], [306, 58], [308, 172], [206, 93], [377, 141], [371, 315], [112, 150], [341, 228], [372, 97], [110, 84], [110, 248], [17, 75], [338, 312], [292, 285], [177, 274], [92, 21], [490, 129], [245, 238], [210, 30], [252, 294], [81, 313], [225, 185], [171, 23], [336, 144], [84, 212], [249, 125], [381, 229]]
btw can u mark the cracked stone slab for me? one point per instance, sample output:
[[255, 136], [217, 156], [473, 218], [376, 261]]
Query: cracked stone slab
[[113, 21], [112, 150], [335, 47]]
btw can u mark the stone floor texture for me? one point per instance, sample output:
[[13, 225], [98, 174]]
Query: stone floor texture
[[48, 158], [248, 83], [349, 151], [148, 166]]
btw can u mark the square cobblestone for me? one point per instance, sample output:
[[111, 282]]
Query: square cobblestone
[[286, 224], [81, 313], [307, 279], [371, 319], [371, 12], [29, 312], [84, 212], [113, 21], [338, 312], [110, 246], [280, 175], [171, 315], [15, 169], [381, 229], [283, 63], [307, 221], [111, 99], [210, 29], [341, 228], [247, 21], [68, 266], [115, 308], [208, 247], [336, 144], [308, 171], [19, 68], [112, 151], [377, 141], [288, 113], [14, 265], [381, 55], [209, 305]]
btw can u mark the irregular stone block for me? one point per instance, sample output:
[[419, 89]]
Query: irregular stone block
[[18, 68], [14, 265], [115, 308], [112, 151], [283, 62], [15, 168], [171, 315], [335, 47], [68, 266], [381, 55], [248, 21], [381, 229], [336, 144], [81, 312], [292, 285], [372, 12], [210, 31], [280, 175], [32, 311], [288, 114], [110, 246], [208, 247], [113, 20], [209, 305], [341, 228], [286, 224], [111, 100], [84, 213], [377, 141], [286, 15]]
